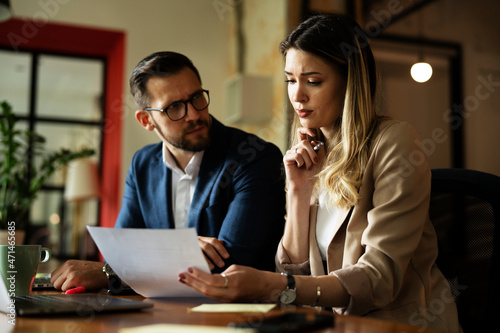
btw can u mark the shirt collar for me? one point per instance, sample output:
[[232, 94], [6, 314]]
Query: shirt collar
[[191, 169]]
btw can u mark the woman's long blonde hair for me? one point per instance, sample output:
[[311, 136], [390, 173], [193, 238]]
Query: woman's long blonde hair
[[341, 42]]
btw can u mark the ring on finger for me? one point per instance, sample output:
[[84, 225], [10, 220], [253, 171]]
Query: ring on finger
[[226, 280], [296, 150]]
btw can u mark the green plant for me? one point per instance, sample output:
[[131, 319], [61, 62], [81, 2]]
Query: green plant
[[20, 184]]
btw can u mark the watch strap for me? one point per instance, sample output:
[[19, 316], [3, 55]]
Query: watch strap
[[290, 281], [288, 295]]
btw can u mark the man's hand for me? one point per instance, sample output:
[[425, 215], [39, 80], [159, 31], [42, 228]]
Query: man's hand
[[75, 273], [214, 251]]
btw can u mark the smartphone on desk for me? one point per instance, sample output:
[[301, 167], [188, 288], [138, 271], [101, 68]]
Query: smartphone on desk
[[289, 322]]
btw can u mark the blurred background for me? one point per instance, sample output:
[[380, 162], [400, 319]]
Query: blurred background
[[64, 67]]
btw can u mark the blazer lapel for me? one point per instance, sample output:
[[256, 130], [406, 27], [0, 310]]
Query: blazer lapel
[[335, 252], [210, 168], [340, 220], [209, 172], [163, 212]]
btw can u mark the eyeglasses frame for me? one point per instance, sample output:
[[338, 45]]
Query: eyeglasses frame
[[185, 102]]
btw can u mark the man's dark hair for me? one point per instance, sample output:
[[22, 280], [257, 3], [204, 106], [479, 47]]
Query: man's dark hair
[[158, 64]]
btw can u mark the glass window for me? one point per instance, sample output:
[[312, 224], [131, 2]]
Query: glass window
[[15, 80], [64, 104], [70, 88], [68, 136]]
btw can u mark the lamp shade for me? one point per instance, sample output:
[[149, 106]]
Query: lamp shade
[[5, 12], [82, 180]]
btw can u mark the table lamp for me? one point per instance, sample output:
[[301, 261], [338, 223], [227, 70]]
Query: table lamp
[[81, 184]]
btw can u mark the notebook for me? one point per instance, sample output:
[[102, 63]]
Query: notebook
[[81, 304]]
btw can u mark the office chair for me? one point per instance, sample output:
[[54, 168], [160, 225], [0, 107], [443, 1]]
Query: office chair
[[465, 211]]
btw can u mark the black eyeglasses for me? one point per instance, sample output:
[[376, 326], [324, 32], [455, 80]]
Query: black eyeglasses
[[178, 110]]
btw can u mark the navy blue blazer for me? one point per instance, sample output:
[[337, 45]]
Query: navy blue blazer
[[239, 195]]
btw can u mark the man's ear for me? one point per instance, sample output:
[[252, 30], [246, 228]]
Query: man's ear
[[144, 118]]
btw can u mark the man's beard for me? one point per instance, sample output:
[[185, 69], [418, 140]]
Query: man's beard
[[201, 142]]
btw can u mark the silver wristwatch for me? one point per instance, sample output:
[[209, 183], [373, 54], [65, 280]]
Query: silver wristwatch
[[288, 295], [110, 274], [115, 285]]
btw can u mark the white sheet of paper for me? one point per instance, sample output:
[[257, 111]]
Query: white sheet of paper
[[234, 307], [150, 260]]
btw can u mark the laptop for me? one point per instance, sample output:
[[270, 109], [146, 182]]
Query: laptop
[[80, 304]]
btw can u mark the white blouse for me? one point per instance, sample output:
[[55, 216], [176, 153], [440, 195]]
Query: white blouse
[[325, 223]]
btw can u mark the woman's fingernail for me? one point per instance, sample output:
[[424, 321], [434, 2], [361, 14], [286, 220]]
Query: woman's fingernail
[[182, 277], [190, 270]]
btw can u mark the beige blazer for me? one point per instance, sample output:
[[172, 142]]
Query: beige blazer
[[384, 253]]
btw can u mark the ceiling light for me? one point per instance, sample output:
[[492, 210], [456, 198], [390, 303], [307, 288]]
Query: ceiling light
[[421, 72]]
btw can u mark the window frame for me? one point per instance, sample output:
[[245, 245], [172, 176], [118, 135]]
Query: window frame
[[35, 36]]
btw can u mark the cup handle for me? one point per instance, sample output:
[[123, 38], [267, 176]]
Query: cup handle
[[46, 256]]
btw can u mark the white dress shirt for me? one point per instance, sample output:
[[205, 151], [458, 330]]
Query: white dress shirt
[[325, 224], [183, 184]]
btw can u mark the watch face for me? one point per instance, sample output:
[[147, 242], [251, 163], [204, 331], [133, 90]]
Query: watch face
[[288, 296], [108, 270]]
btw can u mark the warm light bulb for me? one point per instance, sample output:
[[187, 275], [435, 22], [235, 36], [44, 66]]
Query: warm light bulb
[[54, 218], [421, 72]]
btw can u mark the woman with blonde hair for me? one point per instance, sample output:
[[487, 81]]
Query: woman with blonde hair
[[358, 237]]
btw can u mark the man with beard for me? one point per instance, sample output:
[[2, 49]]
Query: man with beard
[[226, 183]]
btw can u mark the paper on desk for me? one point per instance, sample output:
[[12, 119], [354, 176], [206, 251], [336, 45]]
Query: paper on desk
[[234, 307], [150, 260]]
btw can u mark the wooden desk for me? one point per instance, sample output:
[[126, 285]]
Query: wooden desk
[[175, 311]]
